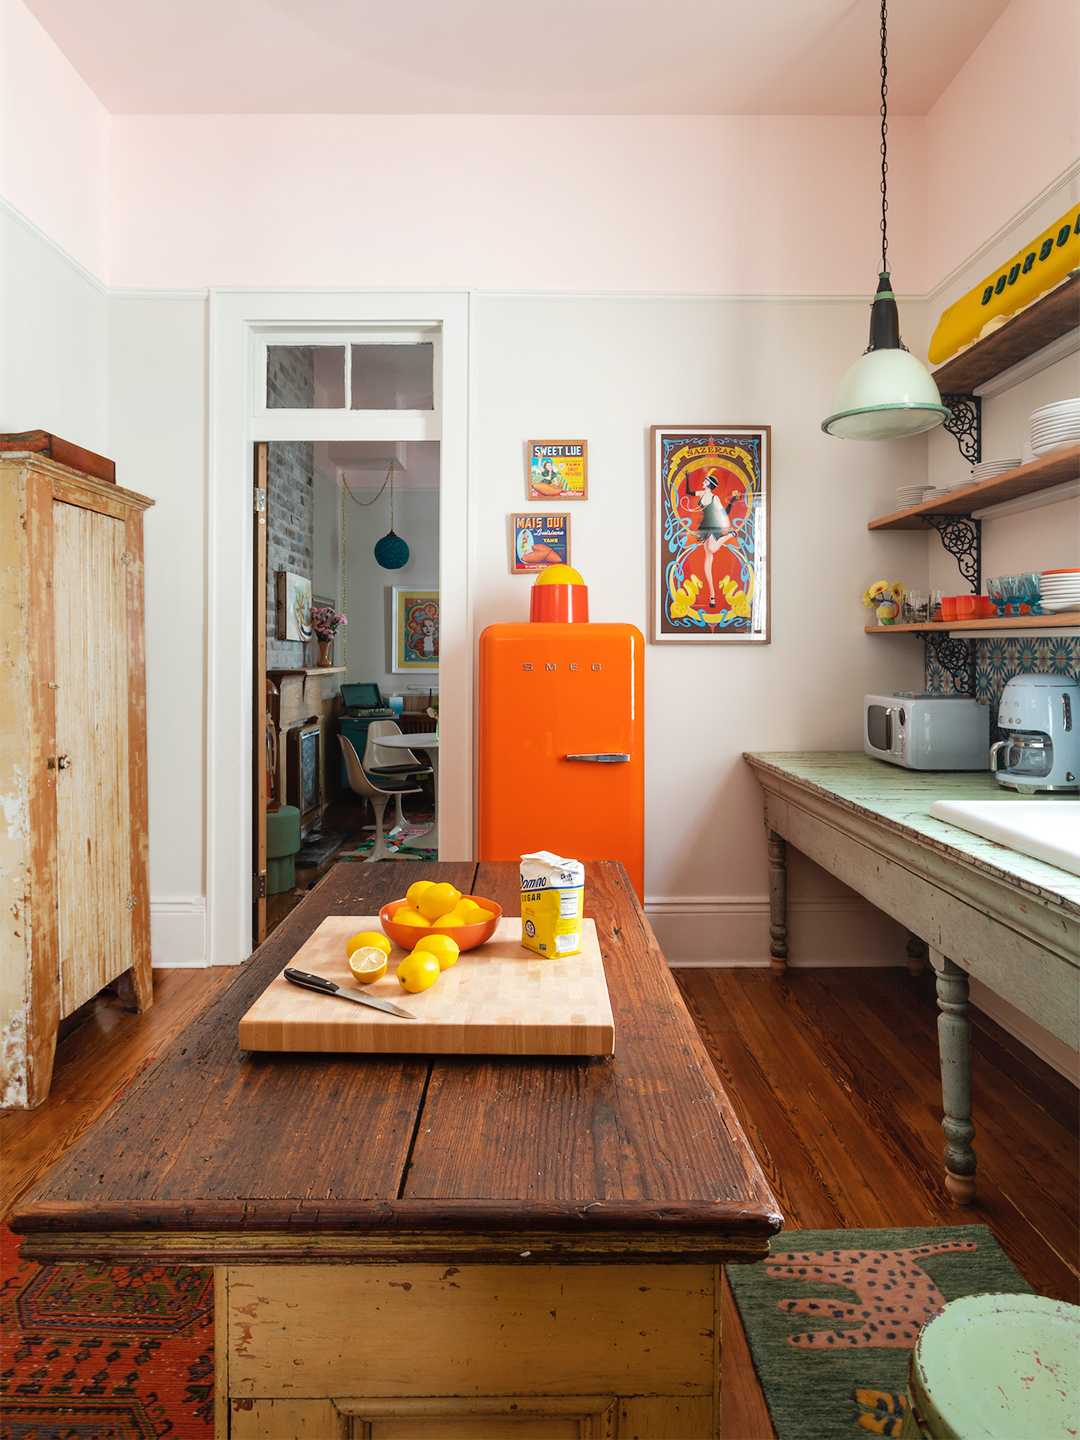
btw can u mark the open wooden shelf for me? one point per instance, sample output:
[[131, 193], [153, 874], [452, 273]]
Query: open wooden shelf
[[1042, 474], [311, 670], [1044, 320], [1070, 618]]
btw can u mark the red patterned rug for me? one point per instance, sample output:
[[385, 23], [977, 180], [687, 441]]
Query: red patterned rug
[[104, 1352]]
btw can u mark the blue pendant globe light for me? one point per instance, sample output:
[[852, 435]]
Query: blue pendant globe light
[[886, 393], [391, 552]]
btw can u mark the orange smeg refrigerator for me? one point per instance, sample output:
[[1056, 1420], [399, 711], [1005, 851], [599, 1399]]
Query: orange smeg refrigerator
[[562, 763]]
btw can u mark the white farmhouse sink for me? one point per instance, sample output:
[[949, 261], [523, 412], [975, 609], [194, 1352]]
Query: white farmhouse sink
[[1044, 829]]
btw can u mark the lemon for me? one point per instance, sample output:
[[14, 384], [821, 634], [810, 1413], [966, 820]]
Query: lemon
[[368, 963], [438, 900], [452, 920], [405, 916], [415, 890], [474, 914], [442, 947], [366, 938], [418, 972]]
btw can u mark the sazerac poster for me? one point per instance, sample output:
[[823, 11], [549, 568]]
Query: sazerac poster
[[710, 534]]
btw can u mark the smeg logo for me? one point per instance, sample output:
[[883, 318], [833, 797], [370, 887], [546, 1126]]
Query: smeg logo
[[552, 665]]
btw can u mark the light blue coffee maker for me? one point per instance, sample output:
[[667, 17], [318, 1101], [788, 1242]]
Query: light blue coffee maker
[[1040, 716]]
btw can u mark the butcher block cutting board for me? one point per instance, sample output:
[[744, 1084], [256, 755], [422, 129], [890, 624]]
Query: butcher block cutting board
[[499, 999]]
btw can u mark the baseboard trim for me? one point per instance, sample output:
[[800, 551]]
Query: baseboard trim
[[178, 932]]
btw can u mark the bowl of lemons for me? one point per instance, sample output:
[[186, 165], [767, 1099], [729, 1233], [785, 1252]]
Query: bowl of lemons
[[429, 908]]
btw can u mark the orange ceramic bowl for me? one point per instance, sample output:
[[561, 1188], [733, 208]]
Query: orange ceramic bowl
[[468, 937]]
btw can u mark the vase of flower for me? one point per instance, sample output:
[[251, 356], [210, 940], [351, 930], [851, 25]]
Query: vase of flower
[[325, 621]]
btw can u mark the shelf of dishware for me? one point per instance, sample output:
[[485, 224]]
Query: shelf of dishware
[[1042, 474], [1068, 620], [1041, 322]]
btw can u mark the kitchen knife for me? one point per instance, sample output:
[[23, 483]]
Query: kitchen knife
[[327, 987]]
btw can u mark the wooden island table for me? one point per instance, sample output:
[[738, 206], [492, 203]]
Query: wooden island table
[[438, 1247]]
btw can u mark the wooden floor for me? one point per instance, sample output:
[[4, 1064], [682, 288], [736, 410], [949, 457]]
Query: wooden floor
[[834, 1074], [835, 1077]]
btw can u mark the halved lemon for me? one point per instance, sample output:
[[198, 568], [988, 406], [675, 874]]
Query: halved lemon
[[368, 963]]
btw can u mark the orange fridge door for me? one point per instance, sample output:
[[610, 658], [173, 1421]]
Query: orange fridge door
[[548, 692]]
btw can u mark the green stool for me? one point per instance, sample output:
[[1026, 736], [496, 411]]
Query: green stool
[[995, 1367], [282, 843]]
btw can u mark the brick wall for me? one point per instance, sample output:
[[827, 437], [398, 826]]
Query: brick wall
[[290, 469]]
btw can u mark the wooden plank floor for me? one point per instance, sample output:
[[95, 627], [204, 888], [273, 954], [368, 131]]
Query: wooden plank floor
[[834, 1075]]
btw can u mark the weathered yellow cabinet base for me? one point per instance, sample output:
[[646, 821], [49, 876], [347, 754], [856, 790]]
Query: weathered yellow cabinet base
[[437, 1352]]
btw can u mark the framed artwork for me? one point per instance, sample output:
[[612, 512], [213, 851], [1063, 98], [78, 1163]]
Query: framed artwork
[[293, 607], [414, 619], [537, 541], [558, 469], [710, 539]]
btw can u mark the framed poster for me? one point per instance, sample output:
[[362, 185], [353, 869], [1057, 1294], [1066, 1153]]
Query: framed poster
[[293, 607], [537, 541], [558, 469], [414, 641], [710, 540]]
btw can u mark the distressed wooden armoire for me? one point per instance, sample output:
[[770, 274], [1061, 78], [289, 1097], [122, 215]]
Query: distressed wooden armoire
[[73, 839]]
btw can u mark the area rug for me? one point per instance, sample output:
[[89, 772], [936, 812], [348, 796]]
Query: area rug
[[104, 1352], [832, 1315]]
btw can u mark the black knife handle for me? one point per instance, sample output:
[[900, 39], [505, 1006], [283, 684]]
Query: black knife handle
[[313, 982]]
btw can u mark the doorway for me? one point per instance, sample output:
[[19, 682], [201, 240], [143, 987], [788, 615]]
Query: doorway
[[327, 506]]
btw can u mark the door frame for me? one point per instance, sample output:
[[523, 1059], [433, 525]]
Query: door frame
[[240, 321]]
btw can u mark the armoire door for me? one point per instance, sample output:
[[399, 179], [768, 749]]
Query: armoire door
[[93, 790]]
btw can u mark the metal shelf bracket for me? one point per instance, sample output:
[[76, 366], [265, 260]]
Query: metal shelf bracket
[[965, 425], [962, 538], [955, 656]]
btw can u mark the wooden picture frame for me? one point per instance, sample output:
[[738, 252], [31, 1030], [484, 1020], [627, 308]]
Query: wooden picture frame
[[414, 629], [538, 541], [711, 493], [556, 470]]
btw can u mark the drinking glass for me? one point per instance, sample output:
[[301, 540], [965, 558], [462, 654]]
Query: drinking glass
[[996, 591], [1030, 587]]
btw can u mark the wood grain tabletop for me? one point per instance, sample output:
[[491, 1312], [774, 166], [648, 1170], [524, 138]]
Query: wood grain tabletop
[[213, 1139]]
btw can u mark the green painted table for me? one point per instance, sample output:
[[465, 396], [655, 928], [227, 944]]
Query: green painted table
[[1010, 921]]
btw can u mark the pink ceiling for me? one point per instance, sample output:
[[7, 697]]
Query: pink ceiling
[[557, 57]]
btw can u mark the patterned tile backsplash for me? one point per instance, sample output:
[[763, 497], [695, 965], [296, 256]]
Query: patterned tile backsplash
[[998, 660]]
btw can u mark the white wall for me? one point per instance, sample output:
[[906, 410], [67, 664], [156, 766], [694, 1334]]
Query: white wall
[[157, 436], [54, 321], [608, 368]]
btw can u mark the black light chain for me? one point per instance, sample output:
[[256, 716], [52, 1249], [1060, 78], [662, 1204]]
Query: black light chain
[[884, 133]]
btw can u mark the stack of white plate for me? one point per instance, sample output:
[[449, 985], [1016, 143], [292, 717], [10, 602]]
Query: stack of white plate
[[1053, 427], [1060, 590], [986, 468], [1027, 454], [909, 495], [941, 491]]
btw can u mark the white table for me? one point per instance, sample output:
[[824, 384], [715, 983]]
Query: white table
[[1011, 921], [430, 744]]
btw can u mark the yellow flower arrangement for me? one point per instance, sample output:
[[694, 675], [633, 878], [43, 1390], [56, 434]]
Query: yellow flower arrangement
[[885, 598]]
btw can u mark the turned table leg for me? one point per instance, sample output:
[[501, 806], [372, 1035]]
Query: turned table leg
[[777, 902], [954, 1047]]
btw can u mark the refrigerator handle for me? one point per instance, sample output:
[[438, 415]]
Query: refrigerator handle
[[611, 758]]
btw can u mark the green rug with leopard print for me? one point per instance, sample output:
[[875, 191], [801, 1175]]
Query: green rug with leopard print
[[832, 1315]]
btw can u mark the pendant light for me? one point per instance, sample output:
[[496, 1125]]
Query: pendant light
[[886, 393], [391, 552]]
